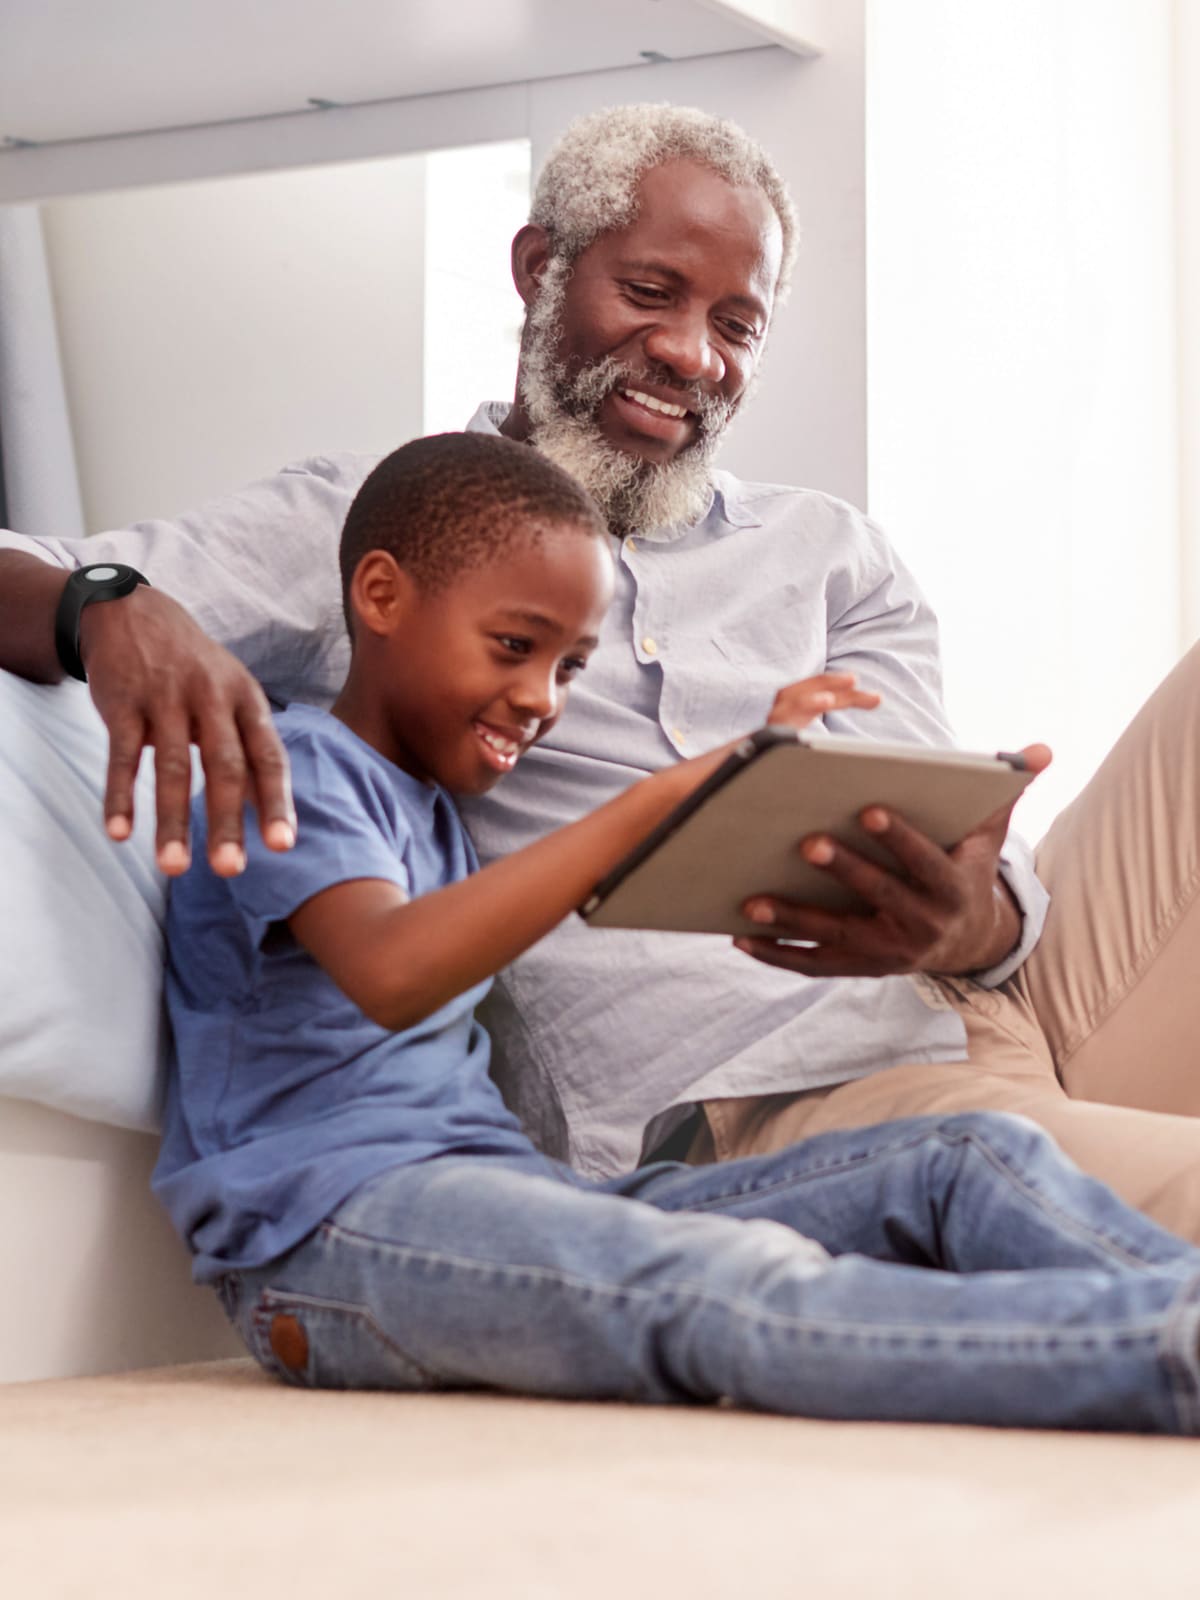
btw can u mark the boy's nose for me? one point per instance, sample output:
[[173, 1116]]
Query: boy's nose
[[534, 695]]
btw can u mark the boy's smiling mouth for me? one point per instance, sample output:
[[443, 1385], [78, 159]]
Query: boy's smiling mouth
[[501, 750]]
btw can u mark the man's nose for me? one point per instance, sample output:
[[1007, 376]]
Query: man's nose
[[683, 345]]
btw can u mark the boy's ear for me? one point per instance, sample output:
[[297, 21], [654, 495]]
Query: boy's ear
[[530, 253], [380, 593]]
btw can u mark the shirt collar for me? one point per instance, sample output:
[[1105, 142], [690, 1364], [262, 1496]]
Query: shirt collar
[[727, 508]]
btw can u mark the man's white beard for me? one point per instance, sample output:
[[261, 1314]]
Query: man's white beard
[[634, 495]]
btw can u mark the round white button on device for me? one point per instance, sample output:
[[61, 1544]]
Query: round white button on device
[[100, 574]]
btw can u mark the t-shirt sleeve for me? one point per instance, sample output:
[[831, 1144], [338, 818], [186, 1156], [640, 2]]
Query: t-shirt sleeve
[[345, 829]]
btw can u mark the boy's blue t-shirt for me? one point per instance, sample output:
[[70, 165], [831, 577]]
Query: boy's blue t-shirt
[[283, 1097]]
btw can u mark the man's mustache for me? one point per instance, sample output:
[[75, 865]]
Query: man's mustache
[[584, 391]]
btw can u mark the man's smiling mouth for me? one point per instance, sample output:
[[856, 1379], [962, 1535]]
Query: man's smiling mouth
[[639, 397]]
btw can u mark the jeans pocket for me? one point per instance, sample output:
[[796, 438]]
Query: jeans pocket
[[327, 1344]]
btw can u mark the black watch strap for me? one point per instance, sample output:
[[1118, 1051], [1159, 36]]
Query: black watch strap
[[107, 580]]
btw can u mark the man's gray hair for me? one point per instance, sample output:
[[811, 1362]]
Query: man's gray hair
[[588, 185]]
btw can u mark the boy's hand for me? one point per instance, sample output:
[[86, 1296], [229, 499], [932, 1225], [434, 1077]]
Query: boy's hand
[[801, 703]]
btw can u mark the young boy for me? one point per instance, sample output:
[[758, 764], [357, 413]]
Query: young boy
[[339, 1162]]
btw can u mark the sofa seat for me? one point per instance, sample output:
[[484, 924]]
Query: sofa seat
[[212, 1480]]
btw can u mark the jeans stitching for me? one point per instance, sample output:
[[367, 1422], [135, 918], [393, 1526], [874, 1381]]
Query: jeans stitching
[[1181, 1336], [273, 1300], [1108, 1242], [1120, 1333]]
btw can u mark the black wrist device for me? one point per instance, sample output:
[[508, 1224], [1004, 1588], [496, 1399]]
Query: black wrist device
[[107, 580]]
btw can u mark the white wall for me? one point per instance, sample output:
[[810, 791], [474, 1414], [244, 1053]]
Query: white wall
[[475, 200], [154, 284], [1022, 357], [1186, 103], [213, 331]]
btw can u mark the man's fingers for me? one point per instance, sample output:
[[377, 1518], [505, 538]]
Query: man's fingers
[[243, 758], [224, 764], [127, 738], [1037, 757], [270, 776], [156, 679], [173, 787], [991, 833], [925, 862], [910, 907], [812, 961]]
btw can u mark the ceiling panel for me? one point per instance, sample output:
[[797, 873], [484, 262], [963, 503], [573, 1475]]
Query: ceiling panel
[[78, 69]]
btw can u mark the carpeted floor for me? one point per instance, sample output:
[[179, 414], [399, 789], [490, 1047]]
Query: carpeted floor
[[213, 1481]]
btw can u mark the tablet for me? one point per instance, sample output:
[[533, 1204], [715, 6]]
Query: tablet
[[737, 835]]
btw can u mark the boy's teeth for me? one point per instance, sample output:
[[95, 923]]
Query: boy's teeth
[[506, 747], [652, 404]]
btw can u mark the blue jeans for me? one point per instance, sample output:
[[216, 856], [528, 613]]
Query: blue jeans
[[1056, 1305]]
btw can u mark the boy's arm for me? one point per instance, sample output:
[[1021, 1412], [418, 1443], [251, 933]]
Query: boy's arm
[[400, 960]]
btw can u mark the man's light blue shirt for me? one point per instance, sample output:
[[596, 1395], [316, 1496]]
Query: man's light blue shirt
[[600, 1036]]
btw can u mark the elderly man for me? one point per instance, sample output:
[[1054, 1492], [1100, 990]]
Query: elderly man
[[658, 249]]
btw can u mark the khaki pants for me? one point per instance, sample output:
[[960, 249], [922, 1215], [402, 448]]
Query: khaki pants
[[1097, 1037]]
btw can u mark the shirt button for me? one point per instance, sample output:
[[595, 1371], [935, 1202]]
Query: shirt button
[[649, 646], [678, 735], [631, 544]]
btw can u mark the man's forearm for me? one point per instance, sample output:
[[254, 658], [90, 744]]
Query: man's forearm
[[29, 594]]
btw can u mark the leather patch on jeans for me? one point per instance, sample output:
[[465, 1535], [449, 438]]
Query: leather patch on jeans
[[289, 1342]]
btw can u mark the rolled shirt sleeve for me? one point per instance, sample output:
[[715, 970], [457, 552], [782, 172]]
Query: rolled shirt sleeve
[[256, 569]]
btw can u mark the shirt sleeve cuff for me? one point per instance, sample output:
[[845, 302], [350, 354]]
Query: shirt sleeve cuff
[[1033, 901]]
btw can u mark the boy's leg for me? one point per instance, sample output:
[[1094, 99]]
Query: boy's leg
[[480, 1272], [1151, 1159], [975, 1192]]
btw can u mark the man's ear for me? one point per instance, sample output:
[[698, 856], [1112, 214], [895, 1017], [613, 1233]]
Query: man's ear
[[530, 253], [381, 593]]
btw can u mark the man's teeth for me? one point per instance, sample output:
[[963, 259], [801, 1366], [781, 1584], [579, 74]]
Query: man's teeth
[[502, 746], [652, 404]]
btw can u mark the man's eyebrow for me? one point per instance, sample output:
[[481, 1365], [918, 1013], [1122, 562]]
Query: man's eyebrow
[[659, 267], [674, 276]]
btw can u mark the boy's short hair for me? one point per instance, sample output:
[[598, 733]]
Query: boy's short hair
[[452, 501]]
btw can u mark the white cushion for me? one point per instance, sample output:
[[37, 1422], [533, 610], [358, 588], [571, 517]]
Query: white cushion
[[81, 944]]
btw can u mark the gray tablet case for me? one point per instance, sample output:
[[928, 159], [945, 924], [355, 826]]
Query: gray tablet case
[[737, 835]]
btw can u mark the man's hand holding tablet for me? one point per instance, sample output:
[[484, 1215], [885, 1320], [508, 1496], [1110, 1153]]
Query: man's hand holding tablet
[[835, 857]]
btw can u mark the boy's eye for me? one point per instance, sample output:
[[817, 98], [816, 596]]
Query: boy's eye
[[514, 644], [572, 665]]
